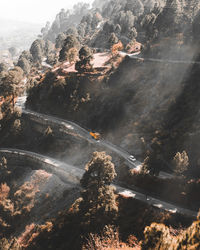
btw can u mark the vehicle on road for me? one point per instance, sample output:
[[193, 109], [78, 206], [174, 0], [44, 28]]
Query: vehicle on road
[[131, 158], [96, 136]]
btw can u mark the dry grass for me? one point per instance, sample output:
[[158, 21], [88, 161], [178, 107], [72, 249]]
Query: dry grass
[[28, 235], [25, 195], [109, 240], [31, 232], [4, 191]]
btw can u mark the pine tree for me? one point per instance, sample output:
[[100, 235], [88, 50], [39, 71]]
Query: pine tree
[[98, 204], [69, 43], [85, 56]]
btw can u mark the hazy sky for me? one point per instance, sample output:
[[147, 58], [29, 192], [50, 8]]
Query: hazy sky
[[36, 11]]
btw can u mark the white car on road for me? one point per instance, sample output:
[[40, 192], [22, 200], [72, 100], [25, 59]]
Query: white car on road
[[131, 158]]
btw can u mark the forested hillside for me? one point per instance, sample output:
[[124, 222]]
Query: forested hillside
[[120, 76]]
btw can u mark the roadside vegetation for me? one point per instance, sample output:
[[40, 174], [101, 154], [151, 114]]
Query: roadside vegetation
[[127, 71], [99, 218]]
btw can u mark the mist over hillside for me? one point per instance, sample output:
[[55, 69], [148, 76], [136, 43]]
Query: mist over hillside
[[7, 27], [18, 35], [100, 128]]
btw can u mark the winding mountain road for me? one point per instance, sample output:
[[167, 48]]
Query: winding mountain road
[[149, 59], [71, 174], [67, 173], [69, 127]]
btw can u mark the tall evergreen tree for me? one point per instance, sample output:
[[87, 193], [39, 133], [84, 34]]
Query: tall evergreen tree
[[85, 56], [99, 204], [69, 43]]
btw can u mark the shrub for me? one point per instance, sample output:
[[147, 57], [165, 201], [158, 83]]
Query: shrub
[[109, 239], [180, 162]]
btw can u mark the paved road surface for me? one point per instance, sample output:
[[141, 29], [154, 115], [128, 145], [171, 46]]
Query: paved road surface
[[71, 127], [148, 59], [67, 173], [72, 174]]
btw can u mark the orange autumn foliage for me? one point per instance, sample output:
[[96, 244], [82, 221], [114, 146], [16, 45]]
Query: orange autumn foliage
[[117, 47]]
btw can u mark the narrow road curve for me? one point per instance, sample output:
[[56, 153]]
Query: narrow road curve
[[73, 175], [149, 59], [156, 202], [69, 127], [67, 173]]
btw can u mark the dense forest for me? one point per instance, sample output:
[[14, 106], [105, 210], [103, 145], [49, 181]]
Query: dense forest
[[125, 73]]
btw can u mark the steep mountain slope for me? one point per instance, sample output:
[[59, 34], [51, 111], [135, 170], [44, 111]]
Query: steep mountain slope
[[145, 102], [138, 101]]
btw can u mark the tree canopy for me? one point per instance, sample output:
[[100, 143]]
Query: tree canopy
[[98, 196], [69, 43], [85, 56], [37, 50]]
